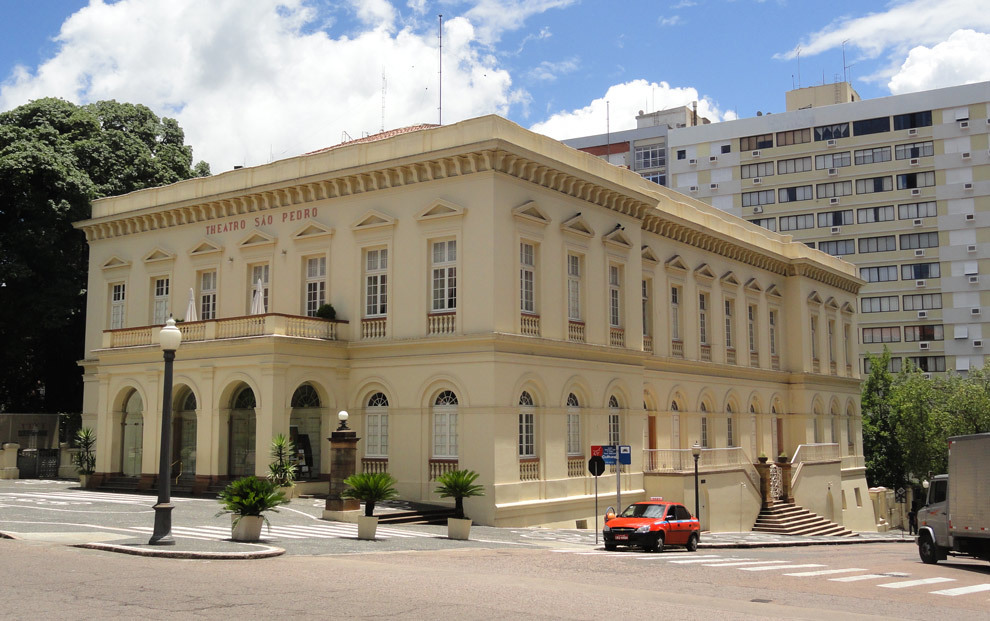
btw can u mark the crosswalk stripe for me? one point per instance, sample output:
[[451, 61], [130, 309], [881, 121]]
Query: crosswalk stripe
[[740, 563], [693, 560], [858, 578], [976, 588], [825, 572], [911, 583], [86, 498], [779, 567]]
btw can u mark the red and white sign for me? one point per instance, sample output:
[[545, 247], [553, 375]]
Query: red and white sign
[[596, 451]]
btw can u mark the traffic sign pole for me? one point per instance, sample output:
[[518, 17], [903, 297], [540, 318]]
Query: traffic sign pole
[[618, 480], [596, 510]]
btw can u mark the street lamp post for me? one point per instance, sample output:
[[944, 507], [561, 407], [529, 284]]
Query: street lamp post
[[169, 338], [696, 453]]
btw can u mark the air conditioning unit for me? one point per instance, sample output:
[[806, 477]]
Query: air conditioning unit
[[971, 248], [758, 209], [693, 162], [915, 161], [970, 217], [712, 186], [915, 192], [756, 154], [963, 124], [973, 280], [834, 230], [922, 314], [912, 132], [830, 143], [693, 188], [968, 185], [926, 375], [712, 158], [924, 346], [975, 311], [978, 343], [920, 283], [833, 201], [920, 252], [757, 181], [965, 155], [988, 121], [918, 222], [833, 172]]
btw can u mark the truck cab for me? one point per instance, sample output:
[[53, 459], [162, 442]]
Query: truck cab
[[933, 526]]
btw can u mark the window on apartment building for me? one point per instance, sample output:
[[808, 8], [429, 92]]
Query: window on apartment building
[[799, 193], [881, 243], [614, 296], [928, 364], [880, 273], [922, 301], [794, 136], [573, 426], [726, 148], [681, 154], [832, 160], [159, 300], [527, 278], [867, 215], [911, 241], [316, 284], [915, 180], [913, 150], [703, 318], [872, 156], [652, 156], [751, 326], [871, 126], [772, 317], [753, 143], [919, 271], [831, 132], [796, 223], [795, 165], [879, 304], [729, 316], [881, 335], [913, 334], [445, 425], [841, 217], [444, 276], [573, 287], [675, 313], [259, 272], [913, 120], [872, 185], [376, 282], [767, 223], [911, 211], [376, 426], [894, 366], [763, 197], [834, 189], [759, 169], [838, 247], [614, 435], [117, 305], [527, 426], [658, 178], [208, 295]]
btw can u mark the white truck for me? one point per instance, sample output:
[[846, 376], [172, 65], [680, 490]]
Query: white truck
[[956, 515]]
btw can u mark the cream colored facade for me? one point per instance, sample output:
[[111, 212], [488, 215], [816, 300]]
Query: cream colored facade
[[537, 301]]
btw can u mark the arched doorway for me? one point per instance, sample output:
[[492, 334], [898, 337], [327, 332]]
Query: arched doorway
[[132, 433], [304, 430], [184, 436], [242, 434]]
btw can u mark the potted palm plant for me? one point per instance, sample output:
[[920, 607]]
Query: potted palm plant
[[247, 500], [282, 471], [369, 488], [459, 484], [86, 457]]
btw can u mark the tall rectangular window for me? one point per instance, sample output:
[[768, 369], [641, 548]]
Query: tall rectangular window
[[730, 439], [376, 283], [646, 307], [527, 277], [814, 337], [574, 287], [259, 272], [831, 341], [160, 301], [614, 296], [445, 432], [573, 432], [613, 428], [527, 441], [208, 295], [675, 314], [729, 308], [117, 301], [444, 275], [751, 326], [376, 444], [773, 333], [703, 318], [316, 284]]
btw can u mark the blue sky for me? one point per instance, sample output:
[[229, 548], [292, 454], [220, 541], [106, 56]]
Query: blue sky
[[266, 79]]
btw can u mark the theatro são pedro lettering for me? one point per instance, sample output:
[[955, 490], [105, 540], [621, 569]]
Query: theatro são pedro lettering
[[241, 224]]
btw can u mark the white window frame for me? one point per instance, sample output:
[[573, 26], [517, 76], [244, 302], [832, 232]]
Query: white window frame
[[675, 313], [262, 270], [751, 327], [614, 296], [573, 426], [527, 277], [526, 444], [703, 305], [574, 287], [444, 430], [730, 305], [772, 318], [208, 295], [376, 428], [118, 305], [160, 286], [316, 284], [443, 276], [376, 282]]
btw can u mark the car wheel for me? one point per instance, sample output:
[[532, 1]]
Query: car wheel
[[927, 550], [692, 544], [610, 546], [650, 547], [658, 547]]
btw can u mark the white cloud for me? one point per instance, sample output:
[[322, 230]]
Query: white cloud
[[624, 103], [548, 71], [683, 4], [493, 17], [249, 81], [963, 58], [670, 21]]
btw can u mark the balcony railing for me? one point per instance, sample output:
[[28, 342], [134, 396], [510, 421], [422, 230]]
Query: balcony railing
[[576, 466], [816, 452], [730, 355], [441, 466], [775, 362], [374, 465], [575, 331], [648, 343], [441, 323], [529, 469], [373, 328], [616, 337], [754, 358], [816, 365], [706, 353], [849, 370], [681, 460], [529, 324], [677, 348], [853, 461], [271, 324], [832, 368]]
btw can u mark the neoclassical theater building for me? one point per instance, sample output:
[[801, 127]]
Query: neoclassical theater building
[[503, 302]]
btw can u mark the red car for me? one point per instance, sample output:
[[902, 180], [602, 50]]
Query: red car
[[651, 525]]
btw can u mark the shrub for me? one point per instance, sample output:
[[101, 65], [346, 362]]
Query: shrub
[[250, 496], [86, 457], [459, 484], [326, 311], [370, 488], [282, 472]]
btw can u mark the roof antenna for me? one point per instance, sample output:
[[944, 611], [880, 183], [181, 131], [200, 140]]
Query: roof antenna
[[383, 98], [608, 136], [440, 73], [799, 65], [845, 67]]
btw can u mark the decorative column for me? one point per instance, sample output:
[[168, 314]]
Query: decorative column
[[343, 463]]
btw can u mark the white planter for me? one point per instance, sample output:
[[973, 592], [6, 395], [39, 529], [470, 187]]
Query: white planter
[[367, 527], [248, 528], [84, 480], [458, 529]]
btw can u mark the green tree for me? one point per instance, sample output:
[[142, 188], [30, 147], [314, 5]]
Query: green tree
[[881, 448], [56, 157], [918, 421]]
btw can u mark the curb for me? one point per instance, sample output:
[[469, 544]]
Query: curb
[[795, 544], [267, 552]]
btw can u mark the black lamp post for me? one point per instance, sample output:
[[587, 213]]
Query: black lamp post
[[696, 453], [169, 338]]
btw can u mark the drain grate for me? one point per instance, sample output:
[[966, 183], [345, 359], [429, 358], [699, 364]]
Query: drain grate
[[761, 601]]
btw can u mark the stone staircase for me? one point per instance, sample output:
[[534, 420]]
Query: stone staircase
[[418, 516], [787, 518]]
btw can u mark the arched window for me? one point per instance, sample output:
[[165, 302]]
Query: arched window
[[190, 403], [573, 426], [613, 420], [730, 438], [850, 437], [445, 425], [527, 426], [817, 424], [572, 401], [674, 407], [704, 425], [245, 400], [305, 397], [834, 427], [376, 426]]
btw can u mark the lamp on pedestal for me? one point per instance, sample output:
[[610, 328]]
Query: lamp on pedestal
[[696, 453], [170, 338], [343, 463]]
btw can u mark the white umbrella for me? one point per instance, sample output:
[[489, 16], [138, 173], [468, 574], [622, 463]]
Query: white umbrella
[[191, 308], [258, 301]]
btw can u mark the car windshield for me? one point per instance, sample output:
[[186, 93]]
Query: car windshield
[[647, 511]]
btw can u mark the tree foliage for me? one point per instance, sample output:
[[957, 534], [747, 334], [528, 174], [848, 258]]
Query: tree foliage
[[908, 418], [56, 157]]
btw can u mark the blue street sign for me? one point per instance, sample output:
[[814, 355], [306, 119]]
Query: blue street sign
[[625, 454], [608, 454]]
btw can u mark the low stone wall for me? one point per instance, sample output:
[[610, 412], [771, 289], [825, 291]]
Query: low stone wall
[[8, 461]]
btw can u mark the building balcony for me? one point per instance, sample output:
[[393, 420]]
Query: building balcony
[[775, 362], [681, 460], [677, 348], [648, 343], [529, 324], [374, 465], [374, 327], [576, 466], [730, 355], [616, 337], [529, 469], [270, 324], [575, 331], [706, 352], [441, 323], [439, 466]]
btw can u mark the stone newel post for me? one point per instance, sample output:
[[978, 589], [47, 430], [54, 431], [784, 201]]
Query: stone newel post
[[343, 463]]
